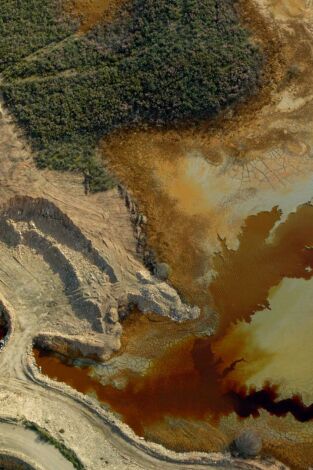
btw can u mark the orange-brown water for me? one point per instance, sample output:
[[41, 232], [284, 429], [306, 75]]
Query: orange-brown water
[[197, 378], [246, 275], [184, 383]]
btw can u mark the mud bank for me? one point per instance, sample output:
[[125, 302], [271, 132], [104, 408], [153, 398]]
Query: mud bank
[[154, 389]]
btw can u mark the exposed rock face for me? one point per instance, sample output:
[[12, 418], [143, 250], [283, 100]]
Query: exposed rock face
[[76, 346], [162, 271], [157, 296], [93, 283]]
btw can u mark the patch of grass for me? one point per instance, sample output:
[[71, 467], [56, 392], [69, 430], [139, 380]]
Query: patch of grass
[[46, 437], [159, 62]]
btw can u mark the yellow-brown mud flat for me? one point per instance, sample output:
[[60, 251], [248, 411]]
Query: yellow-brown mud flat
[[227, 206], [253, 371]]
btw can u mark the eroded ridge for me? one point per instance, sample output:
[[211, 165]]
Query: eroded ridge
[[92, 293]]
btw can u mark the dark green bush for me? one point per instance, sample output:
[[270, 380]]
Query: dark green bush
[[45, 436]]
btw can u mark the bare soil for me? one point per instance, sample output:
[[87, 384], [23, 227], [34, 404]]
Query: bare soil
[[91, 12], [199, 185]]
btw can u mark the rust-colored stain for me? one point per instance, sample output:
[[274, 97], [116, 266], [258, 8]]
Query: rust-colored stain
[[184, 383], [93, 12], [196, 378]]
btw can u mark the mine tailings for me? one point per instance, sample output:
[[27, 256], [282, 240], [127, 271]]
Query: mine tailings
[[201, 377], [184, 384]]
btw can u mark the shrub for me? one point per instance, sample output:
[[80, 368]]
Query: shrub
[[247, 444]]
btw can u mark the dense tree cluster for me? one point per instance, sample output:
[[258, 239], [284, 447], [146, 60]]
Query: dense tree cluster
[[160, 62]]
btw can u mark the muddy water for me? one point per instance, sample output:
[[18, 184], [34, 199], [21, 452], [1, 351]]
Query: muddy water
[[261, 261], [254, 367], [184, 383]]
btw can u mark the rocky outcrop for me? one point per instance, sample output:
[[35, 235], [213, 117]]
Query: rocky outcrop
[[78, 346], [74, 288], [156, 296], [52, 221]]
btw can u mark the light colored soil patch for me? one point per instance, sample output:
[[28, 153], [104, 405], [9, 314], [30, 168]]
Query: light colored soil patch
[[26, 442], [93, 12]]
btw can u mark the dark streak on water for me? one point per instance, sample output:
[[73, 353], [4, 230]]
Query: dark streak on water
[[196, 378], [187, 384]]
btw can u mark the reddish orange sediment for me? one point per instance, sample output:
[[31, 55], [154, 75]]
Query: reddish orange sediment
[[92, 12], [245, 276], [200, 378]]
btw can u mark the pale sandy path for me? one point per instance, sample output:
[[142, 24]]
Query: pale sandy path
[[25, 442]]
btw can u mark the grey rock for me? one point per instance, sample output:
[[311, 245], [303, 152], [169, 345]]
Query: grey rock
[[248, 444]]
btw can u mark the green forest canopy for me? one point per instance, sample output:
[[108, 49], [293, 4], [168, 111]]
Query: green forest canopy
[[160, 62]]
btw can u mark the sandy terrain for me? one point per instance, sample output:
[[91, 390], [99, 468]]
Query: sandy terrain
[[206, 181], [69, 266], [21, 441]]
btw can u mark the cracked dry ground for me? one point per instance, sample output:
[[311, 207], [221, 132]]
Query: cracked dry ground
[[68, 262]]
